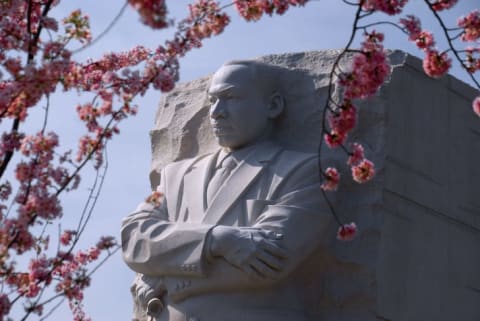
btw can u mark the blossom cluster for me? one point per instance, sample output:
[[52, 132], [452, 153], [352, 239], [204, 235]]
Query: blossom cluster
[[435, 63], [370, 68], [347, 232], [476, 106], [470, 25], [439, 5], [77, 26], [472, 59], [68, 272], [252, 10], [332, 177], [390, 7], [153, 13], [155, 198]]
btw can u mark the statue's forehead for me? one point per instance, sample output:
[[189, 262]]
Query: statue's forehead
[[232, 76]]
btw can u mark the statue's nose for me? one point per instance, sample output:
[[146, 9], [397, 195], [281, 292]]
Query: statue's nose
[[217, 110]]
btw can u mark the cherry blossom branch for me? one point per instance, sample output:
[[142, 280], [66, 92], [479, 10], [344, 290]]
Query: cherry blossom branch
[[450, 42], [326, 108], [331, 86], [29, 30], [9, 154], [379, 23], [53, 309], [350, 3], [29, 185], [87, 212], [36, 36], [105, 31], [31, 43]]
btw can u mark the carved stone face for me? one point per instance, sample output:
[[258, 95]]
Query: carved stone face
[[240, 113]]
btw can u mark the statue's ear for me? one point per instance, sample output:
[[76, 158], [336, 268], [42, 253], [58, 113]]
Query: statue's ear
[[276, 105]]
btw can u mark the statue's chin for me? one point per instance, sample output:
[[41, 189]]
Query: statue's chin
[[224, 142]]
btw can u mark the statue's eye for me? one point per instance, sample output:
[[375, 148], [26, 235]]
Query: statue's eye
[[212, 99]]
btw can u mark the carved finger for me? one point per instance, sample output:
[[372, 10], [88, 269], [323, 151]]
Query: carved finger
[[273, 248], [264, 270], [272, 261], [272, 235], [250, 271]]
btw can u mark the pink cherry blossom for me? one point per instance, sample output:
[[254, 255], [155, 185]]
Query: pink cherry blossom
[[334, 138], [39, 270], [439, 5], [412, 25], [213, 21], [10, 142], [153, 13], [67, 236], [436, 64], [370, 68], [13, 66], [476, 106], [164, 81], [332, 177], [472, 59], [424, 40], [343, 119], [49, 23], [5, 191], [106, 242], [363, 171], [93, 253], [391, 7], [4, 305], [77, 26], [155, 198], [252, 10], [356, 154], [347, 232], [471, 25]]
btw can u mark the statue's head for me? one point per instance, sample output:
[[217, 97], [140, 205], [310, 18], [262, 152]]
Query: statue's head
[[245, 101]]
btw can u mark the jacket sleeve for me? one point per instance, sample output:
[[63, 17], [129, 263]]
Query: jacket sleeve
[[155, 245], [298, 212]]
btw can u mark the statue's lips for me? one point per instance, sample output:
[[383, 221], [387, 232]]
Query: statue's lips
[[220, 130]]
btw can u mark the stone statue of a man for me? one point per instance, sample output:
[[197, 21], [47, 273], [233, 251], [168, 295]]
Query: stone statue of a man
[[236, 233]]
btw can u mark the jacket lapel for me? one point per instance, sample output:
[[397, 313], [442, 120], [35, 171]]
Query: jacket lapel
[[195, 187], [238, 182]]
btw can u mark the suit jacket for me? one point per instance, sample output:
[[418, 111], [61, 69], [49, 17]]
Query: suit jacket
[[271, 188]]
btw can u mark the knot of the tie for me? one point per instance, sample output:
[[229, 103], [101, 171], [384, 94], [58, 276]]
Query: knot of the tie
[[228, 163]]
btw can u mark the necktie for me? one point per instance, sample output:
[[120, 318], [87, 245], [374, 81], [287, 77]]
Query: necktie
[[226, 167]]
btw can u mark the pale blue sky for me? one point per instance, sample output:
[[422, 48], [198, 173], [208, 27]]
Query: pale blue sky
[[321, 24]]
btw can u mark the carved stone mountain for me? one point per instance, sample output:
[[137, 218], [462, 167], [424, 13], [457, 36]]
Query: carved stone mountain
[[417, 255]]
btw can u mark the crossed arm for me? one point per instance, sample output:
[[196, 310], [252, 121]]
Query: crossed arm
[[224, 258]]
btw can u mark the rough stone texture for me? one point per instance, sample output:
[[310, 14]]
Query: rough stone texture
[[417, 256]]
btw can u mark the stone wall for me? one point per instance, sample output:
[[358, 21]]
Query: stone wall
[[417, 255]]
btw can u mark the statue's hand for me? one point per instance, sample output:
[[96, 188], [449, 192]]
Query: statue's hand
[[255, 251]]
